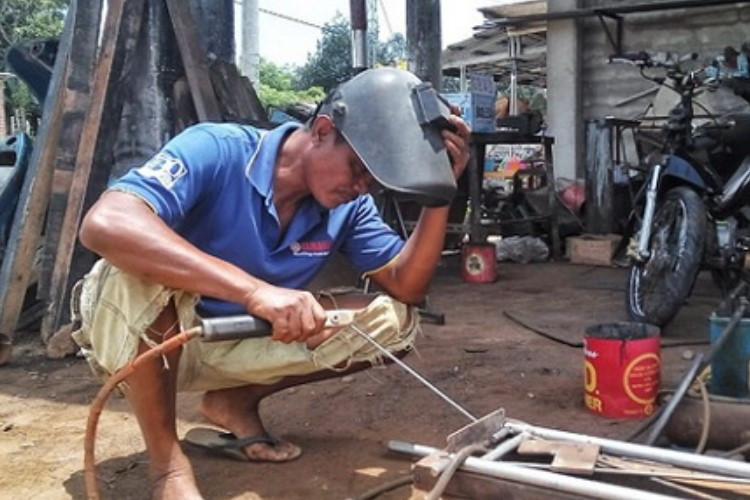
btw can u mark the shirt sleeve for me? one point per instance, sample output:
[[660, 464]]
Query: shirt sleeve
[[370, 243], [176, 178]]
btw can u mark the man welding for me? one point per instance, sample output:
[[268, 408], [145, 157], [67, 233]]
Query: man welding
[[227, 220]]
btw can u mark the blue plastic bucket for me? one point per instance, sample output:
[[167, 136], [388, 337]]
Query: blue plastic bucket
[[729, 368]]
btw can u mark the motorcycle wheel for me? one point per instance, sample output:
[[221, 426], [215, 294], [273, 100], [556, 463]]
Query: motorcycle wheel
[[658, 287]]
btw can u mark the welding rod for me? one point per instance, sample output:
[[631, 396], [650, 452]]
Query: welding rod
[[247, 326], [416, 375]]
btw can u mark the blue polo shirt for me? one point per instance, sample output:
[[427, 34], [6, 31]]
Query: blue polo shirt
[[213, 184]]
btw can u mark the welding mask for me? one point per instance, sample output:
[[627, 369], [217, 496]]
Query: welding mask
[[392, 121]]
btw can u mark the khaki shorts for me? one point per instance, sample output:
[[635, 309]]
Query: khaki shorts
[[116, 308]]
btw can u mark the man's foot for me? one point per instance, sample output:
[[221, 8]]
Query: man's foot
[[176, 485], [236, 410], [262, 448]]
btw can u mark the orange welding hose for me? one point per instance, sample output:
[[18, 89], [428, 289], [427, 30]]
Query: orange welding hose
[[89, 466]]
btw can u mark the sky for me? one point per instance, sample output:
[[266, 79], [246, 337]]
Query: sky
[[288, 42]]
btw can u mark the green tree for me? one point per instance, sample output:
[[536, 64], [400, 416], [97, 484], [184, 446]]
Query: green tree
[[277, 89], [331, 63], [392, 52], [27, 20]]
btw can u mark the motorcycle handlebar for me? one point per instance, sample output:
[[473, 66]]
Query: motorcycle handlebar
[[657, 60], [636, 58]]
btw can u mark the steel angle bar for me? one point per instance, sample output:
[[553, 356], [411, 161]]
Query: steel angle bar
[[536, 477], [611, 446]]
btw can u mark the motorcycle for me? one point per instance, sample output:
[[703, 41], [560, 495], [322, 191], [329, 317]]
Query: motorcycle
[[689, 212]]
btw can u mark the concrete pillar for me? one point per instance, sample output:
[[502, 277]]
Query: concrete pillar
[[564, 91], [250, 52]]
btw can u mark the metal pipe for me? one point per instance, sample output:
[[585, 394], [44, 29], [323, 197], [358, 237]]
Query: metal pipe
[[506, 447], [358, 17], [648, 213], [701, 361], [536, 477], [682, 459]]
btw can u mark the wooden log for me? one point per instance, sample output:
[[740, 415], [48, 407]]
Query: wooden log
[[194, 61], [123, 22], [28, 220], [237, 98], [77, 90]]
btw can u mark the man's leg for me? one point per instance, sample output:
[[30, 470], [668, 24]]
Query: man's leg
[[151, 392], [236, 409]]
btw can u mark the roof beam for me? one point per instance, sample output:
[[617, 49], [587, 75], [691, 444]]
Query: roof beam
[[608, 11]]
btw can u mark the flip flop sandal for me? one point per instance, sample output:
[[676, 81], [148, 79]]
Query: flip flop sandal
[[229, 445]]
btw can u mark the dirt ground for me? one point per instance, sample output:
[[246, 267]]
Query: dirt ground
[[480, 357]]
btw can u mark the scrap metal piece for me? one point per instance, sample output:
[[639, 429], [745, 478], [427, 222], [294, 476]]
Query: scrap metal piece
[[478, 432], [573, 458]]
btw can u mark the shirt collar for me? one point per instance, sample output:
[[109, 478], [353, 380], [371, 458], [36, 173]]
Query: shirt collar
[[260, 169]]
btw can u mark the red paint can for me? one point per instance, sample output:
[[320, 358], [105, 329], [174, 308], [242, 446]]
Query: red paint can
[[622, 369], [478, 263]]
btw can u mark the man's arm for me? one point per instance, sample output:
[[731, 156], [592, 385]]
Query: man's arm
[[408, 277], [124, 230]]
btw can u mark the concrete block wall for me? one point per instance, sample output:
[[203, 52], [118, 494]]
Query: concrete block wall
[[703, 30]]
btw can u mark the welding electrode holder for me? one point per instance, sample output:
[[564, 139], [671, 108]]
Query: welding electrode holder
[[234, 328]]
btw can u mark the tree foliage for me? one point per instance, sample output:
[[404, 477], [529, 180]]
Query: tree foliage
[[331, 63], [27, 20], [277, 87]]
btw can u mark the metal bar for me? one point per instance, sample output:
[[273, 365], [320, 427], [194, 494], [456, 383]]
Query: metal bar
[[537, 477], [699, 462], [612, 42], [627, 9], [506, 447], [414, 374], [666, 411], [701, 362]]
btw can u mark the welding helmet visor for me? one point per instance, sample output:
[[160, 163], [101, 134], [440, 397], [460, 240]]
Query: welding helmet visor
[[393, 122]]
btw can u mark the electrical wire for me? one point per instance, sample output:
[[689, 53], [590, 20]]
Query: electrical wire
[[385, 488], [706, 426], [89, 463]]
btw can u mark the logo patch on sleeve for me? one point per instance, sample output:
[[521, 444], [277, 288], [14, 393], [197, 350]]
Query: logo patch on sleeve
[[164, 168]]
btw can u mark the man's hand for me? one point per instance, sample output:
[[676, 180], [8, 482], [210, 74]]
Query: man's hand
[[457, 143], [294, 314]]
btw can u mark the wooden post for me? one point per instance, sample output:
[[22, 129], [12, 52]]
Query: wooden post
[[194, 61], [77, 89], [121, 29], [28, 220], [423, 40]]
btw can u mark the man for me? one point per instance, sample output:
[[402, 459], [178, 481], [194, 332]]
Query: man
[[230, 220]]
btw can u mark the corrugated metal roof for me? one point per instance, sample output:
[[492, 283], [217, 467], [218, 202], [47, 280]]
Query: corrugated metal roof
[[488, 50]]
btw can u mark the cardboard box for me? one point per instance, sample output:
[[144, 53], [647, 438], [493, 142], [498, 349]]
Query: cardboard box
[[593, 249], [477, 109]]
